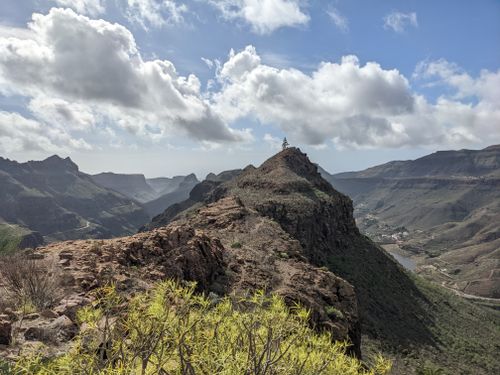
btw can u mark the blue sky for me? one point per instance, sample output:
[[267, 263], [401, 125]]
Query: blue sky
[[424, 78]]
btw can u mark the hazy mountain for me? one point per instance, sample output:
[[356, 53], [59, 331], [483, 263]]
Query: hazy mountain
[[133, 186], [158, 205], [54, 198], [448, 203], [137, 187], [165, 185]]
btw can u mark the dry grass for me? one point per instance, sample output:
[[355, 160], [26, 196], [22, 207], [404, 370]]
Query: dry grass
[[30, 282]]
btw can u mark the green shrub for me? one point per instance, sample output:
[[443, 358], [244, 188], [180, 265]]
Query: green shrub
[[334, 312], [172, 330], [236, 245]]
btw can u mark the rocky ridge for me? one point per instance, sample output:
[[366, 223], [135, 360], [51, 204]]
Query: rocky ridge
[[227, 249]]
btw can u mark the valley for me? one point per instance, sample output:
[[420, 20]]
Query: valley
[[442, 210]]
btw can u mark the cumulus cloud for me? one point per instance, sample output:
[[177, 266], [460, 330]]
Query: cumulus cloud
[[75, 116], [155, 13], [338, 19], [90, 7], [18, 133], [351, 104], [334, 101], [96, 66], [472, 104], [264, 16], [81, 76], [399, 22]]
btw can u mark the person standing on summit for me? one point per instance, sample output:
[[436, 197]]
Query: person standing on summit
[[285, 144]]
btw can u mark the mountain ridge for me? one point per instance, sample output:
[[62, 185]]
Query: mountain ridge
[[54, 198]]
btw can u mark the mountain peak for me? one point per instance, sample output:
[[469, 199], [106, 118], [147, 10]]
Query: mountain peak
[[58, 162], [292, 161]]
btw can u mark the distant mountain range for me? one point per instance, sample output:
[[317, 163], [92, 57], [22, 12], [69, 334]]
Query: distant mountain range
[[137, 187], [52, 197], [444, 208]]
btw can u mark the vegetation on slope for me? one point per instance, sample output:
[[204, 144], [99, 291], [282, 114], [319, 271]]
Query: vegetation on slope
[[10, 238], [465, 336], [172, 330]]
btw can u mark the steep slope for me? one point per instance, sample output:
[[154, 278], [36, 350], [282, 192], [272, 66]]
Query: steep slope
[[226, 248], [448, 203], [55, 199], [133, 186], [288, 189]]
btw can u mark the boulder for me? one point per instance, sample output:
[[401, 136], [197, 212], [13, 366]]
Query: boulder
[[70, 306], [61, 329]]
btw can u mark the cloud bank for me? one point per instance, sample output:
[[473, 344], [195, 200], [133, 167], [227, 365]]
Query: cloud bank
[[96, 66], [80, 76], [355, 105]]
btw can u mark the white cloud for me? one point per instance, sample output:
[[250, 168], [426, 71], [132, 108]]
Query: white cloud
[[354, 105], [146, 13], [90, 7], [96, 66], [208, 62], [274, 142], [18, 134], [338, 19], [264, 16], [398, 21], [75, 116], [155, 13], [7, 31]]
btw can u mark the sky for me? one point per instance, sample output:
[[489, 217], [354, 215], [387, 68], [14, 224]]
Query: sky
[[169, 87]]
